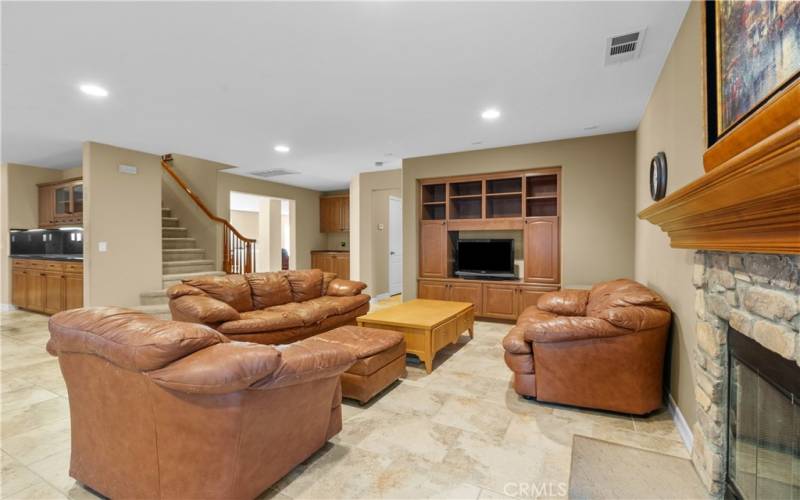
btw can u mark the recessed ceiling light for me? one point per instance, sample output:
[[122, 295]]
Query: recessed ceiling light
[[93, 90], [491, 114], [592, 127], [477, 143], [282, 148]]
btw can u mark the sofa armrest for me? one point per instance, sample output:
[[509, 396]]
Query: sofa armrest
[[307, 360], [219, 369], [182, 289], [637, 317], [344, 288], [569, 328], [567, 302], [201, 309]]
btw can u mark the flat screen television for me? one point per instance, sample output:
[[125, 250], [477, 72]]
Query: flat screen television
[[490, 259]]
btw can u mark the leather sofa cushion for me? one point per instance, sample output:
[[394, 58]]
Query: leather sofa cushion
[[261, 321], [204, 308], [326, 280], [130, 339], [342, 305], [533, 314], [233, 289], [621, 293], [307, 360], [371, 364], [567, 302], [269, 289], [515, 343], [306, 285], [219, 369], [363, 342], [345, 288], [636, 317], [569, 328], [310, 313]]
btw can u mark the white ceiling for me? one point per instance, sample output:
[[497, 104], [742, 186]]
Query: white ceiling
[[344, 84]]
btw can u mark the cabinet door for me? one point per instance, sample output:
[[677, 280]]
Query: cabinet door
[[317, 260], [344, 215], [434, 290], [63, 201], [19, 288], [500, 301], [468, 292], [328, 215], [527, 297], [53, 293], [341, 265], [73, 291], [77, 200], [46, 207], [433, 249], [541, 250], [35, 290]]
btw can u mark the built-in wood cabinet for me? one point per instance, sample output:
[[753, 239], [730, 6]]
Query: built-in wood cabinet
[[334, 214], [527, 201], [433, 242], [332, 262], [491, 299], [61, 203], [46, 286], [542, 245]]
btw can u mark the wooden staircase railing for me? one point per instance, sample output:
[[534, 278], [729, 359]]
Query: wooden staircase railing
[[238, 252]]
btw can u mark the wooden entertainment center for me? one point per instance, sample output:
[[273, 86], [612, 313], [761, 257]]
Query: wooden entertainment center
[[528, 201]]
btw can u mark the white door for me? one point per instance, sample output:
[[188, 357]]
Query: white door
[[395, 246]]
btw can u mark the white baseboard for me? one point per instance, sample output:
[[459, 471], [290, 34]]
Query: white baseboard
[[7, 308], [680, 423], [380, 296]]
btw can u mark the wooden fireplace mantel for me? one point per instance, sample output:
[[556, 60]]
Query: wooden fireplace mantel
[[749, 198]]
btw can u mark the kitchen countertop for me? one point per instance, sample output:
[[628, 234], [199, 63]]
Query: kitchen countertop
[[52, 256]]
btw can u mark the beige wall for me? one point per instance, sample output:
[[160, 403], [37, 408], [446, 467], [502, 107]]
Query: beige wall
[[369, 206], [335, 240], [597, 226], [245, 222], [124, 211], [307, 235], [23, 195], [673, 122]]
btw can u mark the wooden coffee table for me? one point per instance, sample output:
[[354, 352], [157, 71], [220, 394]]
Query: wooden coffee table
[[428, 325]]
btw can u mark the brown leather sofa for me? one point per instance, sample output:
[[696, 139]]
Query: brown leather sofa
[[601, 348], [162, 409], [269, 308]]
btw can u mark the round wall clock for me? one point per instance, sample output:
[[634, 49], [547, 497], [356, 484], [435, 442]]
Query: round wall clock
[[658, 176]]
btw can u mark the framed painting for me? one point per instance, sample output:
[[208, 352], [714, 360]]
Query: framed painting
[[752, 53]]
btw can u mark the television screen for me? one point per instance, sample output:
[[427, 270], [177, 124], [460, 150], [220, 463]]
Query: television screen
[[485, 256]]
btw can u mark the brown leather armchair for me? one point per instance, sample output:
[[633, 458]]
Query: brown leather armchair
[[269, 308], [601, 348], [161, 409]]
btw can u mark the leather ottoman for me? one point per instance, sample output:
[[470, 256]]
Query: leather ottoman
[[381, 359]]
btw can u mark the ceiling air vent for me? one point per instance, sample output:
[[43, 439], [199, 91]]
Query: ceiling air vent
[[274, 172], [621, 48]]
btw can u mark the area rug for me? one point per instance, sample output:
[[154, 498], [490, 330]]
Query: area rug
[[607, 470]]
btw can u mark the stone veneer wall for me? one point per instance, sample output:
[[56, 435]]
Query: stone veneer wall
[[758, 295]]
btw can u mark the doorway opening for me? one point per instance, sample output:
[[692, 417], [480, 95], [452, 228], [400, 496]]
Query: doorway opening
[[395, 245], [271, 222]]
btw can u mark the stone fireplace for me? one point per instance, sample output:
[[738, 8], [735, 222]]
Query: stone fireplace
[[759, 296]]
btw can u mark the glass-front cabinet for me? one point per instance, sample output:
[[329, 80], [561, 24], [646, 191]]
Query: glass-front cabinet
[[61, 203]]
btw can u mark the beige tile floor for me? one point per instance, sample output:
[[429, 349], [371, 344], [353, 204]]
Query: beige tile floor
[[460, 432]]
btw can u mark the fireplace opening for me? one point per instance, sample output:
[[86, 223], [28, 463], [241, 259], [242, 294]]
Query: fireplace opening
[[763, 422]]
